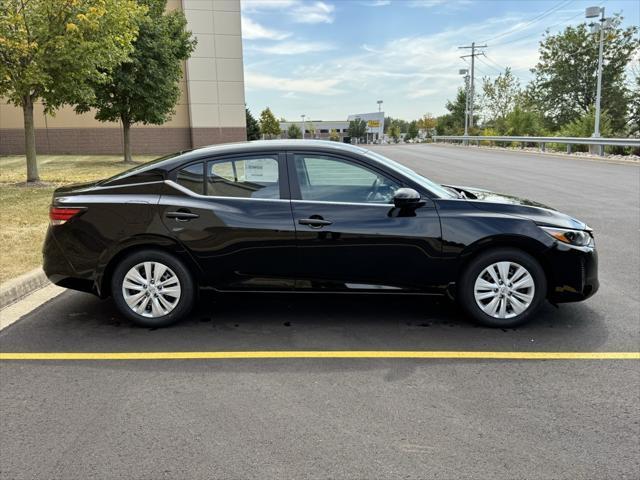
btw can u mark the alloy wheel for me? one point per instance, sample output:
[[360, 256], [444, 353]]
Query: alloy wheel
[[151, 289], [504, 290]]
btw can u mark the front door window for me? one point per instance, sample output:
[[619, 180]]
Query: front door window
[[330, 179]]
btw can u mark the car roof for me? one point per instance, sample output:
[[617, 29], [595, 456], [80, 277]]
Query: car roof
[[262, 145], [170, 162]]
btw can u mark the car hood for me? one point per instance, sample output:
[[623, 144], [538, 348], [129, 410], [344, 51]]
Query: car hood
[[521, 207]]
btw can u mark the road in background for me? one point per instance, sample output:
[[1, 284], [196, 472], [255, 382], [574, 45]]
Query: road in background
[[348, 418]]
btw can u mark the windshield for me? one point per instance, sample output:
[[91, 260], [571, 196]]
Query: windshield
[[436, 189]]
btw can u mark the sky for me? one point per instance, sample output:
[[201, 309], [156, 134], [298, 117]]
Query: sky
[[331, 58]]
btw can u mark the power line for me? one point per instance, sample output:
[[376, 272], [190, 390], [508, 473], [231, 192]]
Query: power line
[[490, 66], [515, 40], [536, 19]]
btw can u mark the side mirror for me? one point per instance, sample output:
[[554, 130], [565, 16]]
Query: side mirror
[[407, 198]]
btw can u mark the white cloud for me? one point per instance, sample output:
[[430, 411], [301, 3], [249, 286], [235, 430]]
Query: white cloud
[[316, 12], [319, 86], [426, 3], [376, 3], [252, 30], [293, 48], [420, 93], [412, 74], [255, 5], [298, 11]]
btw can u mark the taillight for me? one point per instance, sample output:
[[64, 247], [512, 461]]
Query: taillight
[[59, 215]]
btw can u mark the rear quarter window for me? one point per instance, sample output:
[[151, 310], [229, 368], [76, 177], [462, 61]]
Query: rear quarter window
[[192, 177]]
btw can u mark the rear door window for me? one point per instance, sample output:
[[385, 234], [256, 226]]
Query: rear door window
[[252, 177]]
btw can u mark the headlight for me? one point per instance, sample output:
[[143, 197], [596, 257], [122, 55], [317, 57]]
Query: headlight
[[579, 238]]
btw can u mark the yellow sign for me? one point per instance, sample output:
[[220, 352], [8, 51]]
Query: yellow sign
[[373, 123]]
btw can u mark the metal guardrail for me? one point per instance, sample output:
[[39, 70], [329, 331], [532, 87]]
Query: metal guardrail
[[542, 141]]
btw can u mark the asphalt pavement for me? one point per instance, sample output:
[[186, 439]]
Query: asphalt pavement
[[348, 418]]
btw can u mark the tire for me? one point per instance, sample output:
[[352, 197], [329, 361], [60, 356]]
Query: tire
[[494, 302], [159, 299]]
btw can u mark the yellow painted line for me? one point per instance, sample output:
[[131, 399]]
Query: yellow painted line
[[321, 354]]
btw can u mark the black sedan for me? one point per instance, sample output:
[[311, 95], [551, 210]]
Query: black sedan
[[309, 216]]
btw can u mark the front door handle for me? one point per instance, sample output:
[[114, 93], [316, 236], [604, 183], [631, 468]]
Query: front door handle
[[314, 222], [181, 216]]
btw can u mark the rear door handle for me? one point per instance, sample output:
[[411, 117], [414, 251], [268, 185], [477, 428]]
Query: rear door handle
[[314, 222], [181, 216]]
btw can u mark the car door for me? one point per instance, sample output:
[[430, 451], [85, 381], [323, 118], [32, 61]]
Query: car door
[[350, 235], [233, 215]]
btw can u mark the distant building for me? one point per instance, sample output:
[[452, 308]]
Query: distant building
[[210, 109], [375, 125], [321, 129], [317, 128]]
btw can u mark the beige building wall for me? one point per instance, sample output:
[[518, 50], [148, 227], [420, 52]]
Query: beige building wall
[[210, 108]]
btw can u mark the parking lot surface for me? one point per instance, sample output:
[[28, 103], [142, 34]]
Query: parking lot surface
[[348, 418]]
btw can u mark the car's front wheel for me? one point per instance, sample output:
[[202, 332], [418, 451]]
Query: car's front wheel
[[502, 287], [152, 288]]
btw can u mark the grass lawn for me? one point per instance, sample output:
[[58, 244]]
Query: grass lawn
[[24, 215]]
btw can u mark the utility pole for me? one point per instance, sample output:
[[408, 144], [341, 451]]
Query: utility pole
[[594, 12], [471, 94], [303, 127], [465, 72]]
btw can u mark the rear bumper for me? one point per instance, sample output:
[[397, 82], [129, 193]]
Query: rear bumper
[[58, 269], [574, 273]]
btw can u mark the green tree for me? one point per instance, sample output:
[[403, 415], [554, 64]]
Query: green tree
[[564, 84], [394, 132], [269, 125], [447, 125], [452, 123], [583, 126], [634, 108], [520, 121], [311, 129], [457, 109], [427, 122], [253, 127], [334, 136], [294, 131], [499, 96], [403, 125], [55, 51], [357, 128], [412, 131], [146, 88]]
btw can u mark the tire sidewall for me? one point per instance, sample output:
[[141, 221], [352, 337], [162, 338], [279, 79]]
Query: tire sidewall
[[466, 295], [187, 286]]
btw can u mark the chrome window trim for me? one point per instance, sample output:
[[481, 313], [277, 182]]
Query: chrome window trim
[[323, 202], [185, 190]]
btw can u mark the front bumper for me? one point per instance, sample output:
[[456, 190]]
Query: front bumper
[[574, 273]]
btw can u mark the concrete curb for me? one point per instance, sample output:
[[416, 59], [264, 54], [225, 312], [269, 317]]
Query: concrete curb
[[19, 287]]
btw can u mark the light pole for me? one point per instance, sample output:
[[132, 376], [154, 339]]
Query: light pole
[[594, 12], [380, 132], [465, 72], [303, 127]]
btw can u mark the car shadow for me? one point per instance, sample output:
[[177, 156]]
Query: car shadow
[[249, 322]]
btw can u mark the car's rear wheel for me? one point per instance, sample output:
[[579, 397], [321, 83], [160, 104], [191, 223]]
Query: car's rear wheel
[[152, 288], [502, 287]]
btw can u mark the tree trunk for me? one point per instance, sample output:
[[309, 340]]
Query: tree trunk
[[30, 140], [126, 137]]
